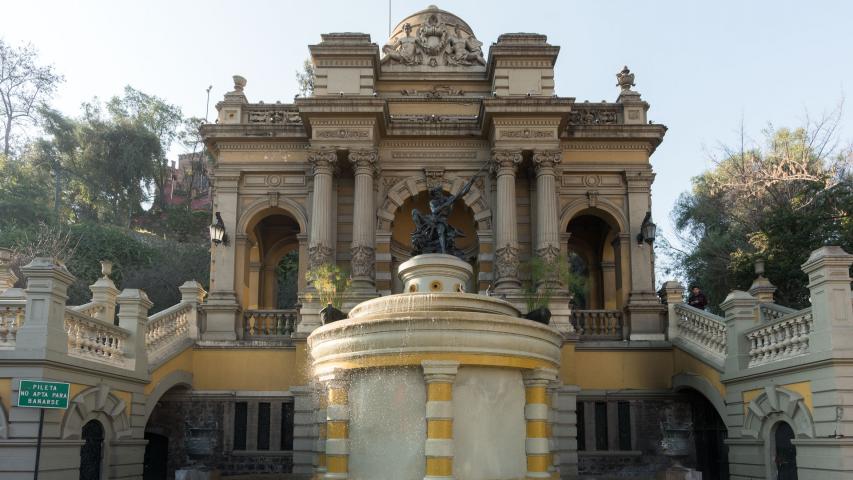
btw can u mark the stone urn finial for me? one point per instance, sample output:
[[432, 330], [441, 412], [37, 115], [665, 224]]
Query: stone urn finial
[[5, 256], [239, 83], [106, 268], [759, 267], [625, 79]]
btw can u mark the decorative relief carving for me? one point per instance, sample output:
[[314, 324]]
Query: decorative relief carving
[[434, 118], [505, 161], [363, 261], [364, 161], [546, 159], [506, 261], [323, 161], [319, 254], [527, 133], [274, 180], [549, 253], [433, 155], [592, 180], [273, 196], [434, 44], [592, 197], [274, 116], [342, 133], [594, 116], [434, 177], [437, 91]]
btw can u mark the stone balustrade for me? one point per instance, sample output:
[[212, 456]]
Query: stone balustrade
[[598, 324], [769, 312], [96, 340], [273, 114], [784, 338], [701, 328], [11, 319], [269, 324], [91, 309], [165, 328]]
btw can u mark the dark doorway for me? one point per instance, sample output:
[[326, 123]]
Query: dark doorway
[[709, 435], [156, 466], [92, 452], [786, 453]]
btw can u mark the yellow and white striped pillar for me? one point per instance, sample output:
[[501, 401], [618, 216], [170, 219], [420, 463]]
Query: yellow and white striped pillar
[[536, 413], [320, 421], [337, 425], [439, 376]]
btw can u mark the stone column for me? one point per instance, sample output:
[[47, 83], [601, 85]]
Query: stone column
[[364, 220], [439, 376], [547, 234], [321, 244], [504, 164], [674, 296], [552, 396], [221, 306], [133, 316], [566, 431], [104, 293], [304, 430], [828, 269], [741, 314], [536, 413], [337, 425]]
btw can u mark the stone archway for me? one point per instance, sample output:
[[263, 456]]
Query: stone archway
[[407, 188], [778, 404], [97, 403]]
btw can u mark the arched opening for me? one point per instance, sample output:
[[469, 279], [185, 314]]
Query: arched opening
[[709, 435], [784, 451], [92, 451], [461, 217], [273, 261], [594, 250], [166, 432]]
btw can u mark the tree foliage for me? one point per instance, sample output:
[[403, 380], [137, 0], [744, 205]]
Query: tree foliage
[[777, 201], [25, 84]]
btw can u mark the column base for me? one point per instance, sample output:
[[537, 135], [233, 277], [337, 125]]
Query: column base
[[221, 310], [645, 317]]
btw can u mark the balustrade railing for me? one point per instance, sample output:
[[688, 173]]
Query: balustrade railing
[[94, 339], [783, 338], [167, 328], [771, 311], [11, 319], [90, 309], [598, 324], [701, 328], [269, 324]]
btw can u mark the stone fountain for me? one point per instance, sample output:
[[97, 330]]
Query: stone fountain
[[435, 383]]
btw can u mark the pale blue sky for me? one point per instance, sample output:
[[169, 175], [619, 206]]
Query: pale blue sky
[[701, 65]]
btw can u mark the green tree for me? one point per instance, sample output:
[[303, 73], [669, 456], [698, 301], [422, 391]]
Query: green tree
[[25, 85], [305, 78], [777, 201]]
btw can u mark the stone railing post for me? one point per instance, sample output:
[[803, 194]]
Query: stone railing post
[[504, 164], [741, 314], [304, 429], [104, 293], [7, 276], [337, 425], [43, 333], [536, 413], [133, 316], [439, 376], [828, 269], [192, 293], [674, 295]]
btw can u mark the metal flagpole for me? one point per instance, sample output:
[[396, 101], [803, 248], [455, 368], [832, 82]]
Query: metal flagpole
[[38, 444]]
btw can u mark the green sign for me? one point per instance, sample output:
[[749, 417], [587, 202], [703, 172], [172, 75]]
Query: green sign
[[43, 394]]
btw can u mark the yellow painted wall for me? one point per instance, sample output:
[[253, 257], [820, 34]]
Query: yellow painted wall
[[686, 363], [184, 362], [6, 393], [615, 370], [245, 369]]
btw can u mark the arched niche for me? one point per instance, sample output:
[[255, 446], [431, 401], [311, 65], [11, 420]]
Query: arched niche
[[96, 403], [594, 235], [778, 404]]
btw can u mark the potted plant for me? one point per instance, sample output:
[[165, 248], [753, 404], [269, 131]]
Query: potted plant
[[543, 279], [331, 284]]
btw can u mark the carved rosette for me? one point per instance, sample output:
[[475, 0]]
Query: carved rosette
[[546, 160], [364, 162], [505, 162], [323, 161], [506, 261], [363, 261], [318, 255], [434, 177]]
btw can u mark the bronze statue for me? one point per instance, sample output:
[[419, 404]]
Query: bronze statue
[[432, 232]]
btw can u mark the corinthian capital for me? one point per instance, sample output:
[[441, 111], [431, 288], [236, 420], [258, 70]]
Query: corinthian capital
[[546, 159], [364, 161], [323, 161], [505, 161]]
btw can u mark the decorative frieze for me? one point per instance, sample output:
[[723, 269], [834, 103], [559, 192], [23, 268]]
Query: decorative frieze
[[342, 133], [363, 261], [506, 261], [527, 133], [319, 255]]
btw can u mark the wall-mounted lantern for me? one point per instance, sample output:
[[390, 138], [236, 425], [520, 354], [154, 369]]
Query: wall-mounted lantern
[[217, 231], [648, 230]]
